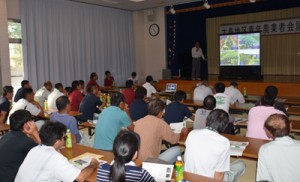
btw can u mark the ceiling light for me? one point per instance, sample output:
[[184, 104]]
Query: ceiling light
[[252, 1], [172, 10], [109, 1], [206, 5], [136, 1]]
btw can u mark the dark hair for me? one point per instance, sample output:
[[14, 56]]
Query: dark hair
[[47, 83], [92, 87], [7, 89], [129, 83], [155, 106], [278, 125], [271, 91], [26, 92], [18, 119], [209, 102], [68, 89], [24, 82], [179, 95], [117, 98], [107, 72], [125, 145], [149, 78], [81, 82], [219, 87], [217, 119], [133, 74], [267, 100], [75, 84], [58, 86], [51, 132], [62, 102], [234, 83], [140, 93], [92, 75]]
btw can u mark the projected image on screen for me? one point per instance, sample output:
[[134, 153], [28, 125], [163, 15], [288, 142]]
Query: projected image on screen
[[240, 49]]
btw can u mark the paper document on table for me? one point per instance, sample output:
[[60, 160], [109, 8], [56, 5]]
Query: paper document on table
[[237, 120], [84, 160], [177, 127], [160, 170], [237, 148]]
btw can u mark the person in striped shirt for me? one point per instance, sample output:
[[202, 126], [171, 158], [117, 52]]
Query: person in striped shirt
[[125, 149]]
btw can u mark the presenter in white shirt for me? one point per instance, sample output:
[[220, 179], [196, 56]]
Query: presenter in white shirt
[[197, 54]]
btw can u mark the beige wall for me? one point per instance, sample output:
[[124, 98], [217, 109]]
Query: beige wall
[[13, 9], [150, 52], [280, 54]]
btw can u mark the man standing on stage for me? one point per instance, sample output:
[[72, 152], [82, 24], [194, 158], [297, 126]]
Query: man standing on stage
[[197, 54]]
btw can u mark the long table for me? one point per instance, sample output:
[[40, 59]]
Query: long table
[[251, 150], [78, 149], [284, 100]]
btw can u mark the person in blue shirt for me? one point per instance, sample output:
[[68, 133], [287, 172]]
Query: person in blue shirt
[[90, 104], [176, 111], [111, 121], [62, 116], [125, 149], [138, 108]]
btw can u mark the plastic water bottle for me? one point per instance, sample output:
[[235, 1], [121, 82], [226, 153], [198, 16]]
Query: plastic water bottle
[[108, 100], [245, 92], [68, 139], [179, 169], [46, 105]]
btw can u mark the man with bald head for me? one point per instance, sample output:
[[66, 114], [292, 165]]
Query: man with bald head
[[279, 159]]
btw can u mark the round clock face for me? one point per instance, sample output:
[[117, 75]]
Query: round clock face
[[154, 30]]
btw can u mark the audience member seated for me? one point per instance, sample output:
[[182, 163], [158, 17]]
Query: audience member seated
[[176, 111], [19, 94], [279, 159], [126, 146], [62, 116], [57, 92], [7, 95], [41, 95], [68, 90], [257, 117], [201, 114], [46, 163], [129, 93], [134, 78], [138, 108], [92, 81], [15, 144], [29, 104], [90, 104], [223, 100], [109, 80], [272, 91], [149, 87], [75, 96], [201, 91], [152, 130], [81, 84], [234, 93], [207, 152], [111, 120]]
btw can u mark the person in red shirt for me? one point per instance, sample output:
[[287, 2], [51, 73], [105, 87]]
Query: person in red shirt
[[129, 93], [109, 80], [75, 96], [93, 81]]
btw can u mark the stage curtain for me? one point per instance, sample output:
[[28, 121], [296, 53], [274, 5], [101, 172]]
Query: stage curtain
[[279, 53], [64, 41]]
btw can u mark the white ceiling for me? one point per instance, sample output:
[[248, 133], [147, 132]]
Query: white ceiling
[[129, 5]]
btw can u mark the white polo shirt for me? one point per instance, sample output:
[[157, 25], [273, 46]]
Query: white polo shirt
[[41, 95], [206, 152], [235, 94], [52, 99], [201, 92], [279, 160], [197, 53], [24, 104], [44, 163], [223, 101], [150, 89]]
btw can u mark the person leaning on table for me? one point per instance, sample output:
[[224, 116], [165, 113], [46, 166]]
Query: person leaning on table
[[45, 163], [279, 159]]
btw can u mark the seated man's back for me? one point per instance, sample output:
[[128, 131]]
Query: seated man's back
[[175, 112], [201, 92]]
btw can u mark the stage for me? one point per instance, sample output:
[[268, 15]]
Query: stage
[[287, 85]]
